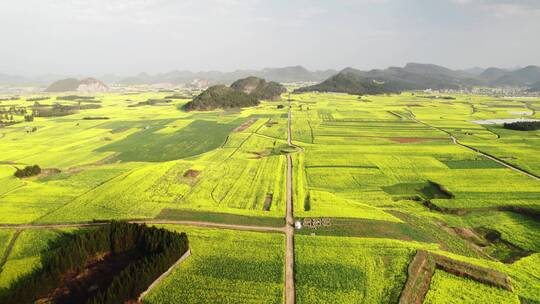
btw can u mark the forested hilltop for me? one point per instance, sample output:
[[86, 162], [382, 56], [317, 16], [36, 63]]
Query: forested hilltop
[[351, 83], [245, 92], [259, 88]]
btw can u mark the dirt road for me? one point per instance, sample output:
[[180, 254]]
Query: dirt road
[[289, 224]]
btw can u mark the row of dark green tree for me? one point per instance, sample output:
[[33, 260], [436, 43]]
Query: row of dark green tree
[[74, 97], [57, 109], [523, 125], [13, 110], [158, 250]]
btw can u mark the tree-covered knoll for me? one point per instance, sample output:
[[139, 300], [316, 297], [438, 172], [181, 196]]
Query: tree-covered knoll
[[259, 88], [220, 97]]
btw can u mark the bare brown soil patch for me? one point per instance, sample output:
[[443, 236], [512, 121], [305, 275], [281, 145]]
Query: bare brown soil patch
[[49, 171], [106, 160], [469, 234], [419, 273], [413, 139], [261, 154], [192, 173], [245, 125]]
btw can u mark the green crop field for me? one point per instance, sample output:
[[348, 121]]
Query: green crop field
[[386, 174], [221, 271]]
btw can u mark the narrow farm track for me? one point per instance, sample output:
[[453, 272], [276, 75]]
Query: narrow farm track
[[148, 222], [484, 154], [289, 224]]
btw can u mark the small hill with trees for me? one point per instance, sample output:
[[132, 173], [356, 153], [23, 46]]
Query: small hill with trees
[[75, 85], [245, 92], [351, 82], [259, 88], [220, 97]]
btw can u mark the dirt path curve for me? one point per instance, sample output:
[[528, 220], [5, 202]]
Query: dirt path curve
[[289, 224], [486, 155]]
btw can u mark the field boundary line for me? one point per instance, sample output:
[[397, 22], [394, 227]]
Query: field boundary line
[[12, 190], [484, 154], [9, 248], [165, 274], [246, 139], [149, 222]]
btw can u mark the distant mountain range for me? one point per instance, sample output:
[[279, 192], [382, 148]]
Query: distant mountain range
[[286, 74], [417, 76], [411, 76]]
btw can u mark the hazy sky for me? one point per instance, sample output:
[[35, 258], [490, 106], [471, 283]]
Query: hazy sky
[[130, 36]]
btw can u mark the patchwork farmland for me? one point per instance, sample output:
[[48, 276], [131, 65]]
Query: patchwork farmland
[[323, 198]]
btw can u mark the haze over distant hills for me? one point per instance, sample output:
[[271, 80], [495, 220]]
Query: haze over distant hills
[[417, 76], [411, 76], [286, 74], [86, 85]]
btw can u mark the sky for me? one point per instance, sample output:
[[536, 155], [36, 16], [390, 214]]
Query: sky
[[131, 36]]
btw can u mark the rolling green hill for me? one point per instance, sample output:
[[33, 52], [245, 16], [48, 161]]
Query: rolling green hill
[[259, 88], [351, 83], [242, 93], [220, 97]]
